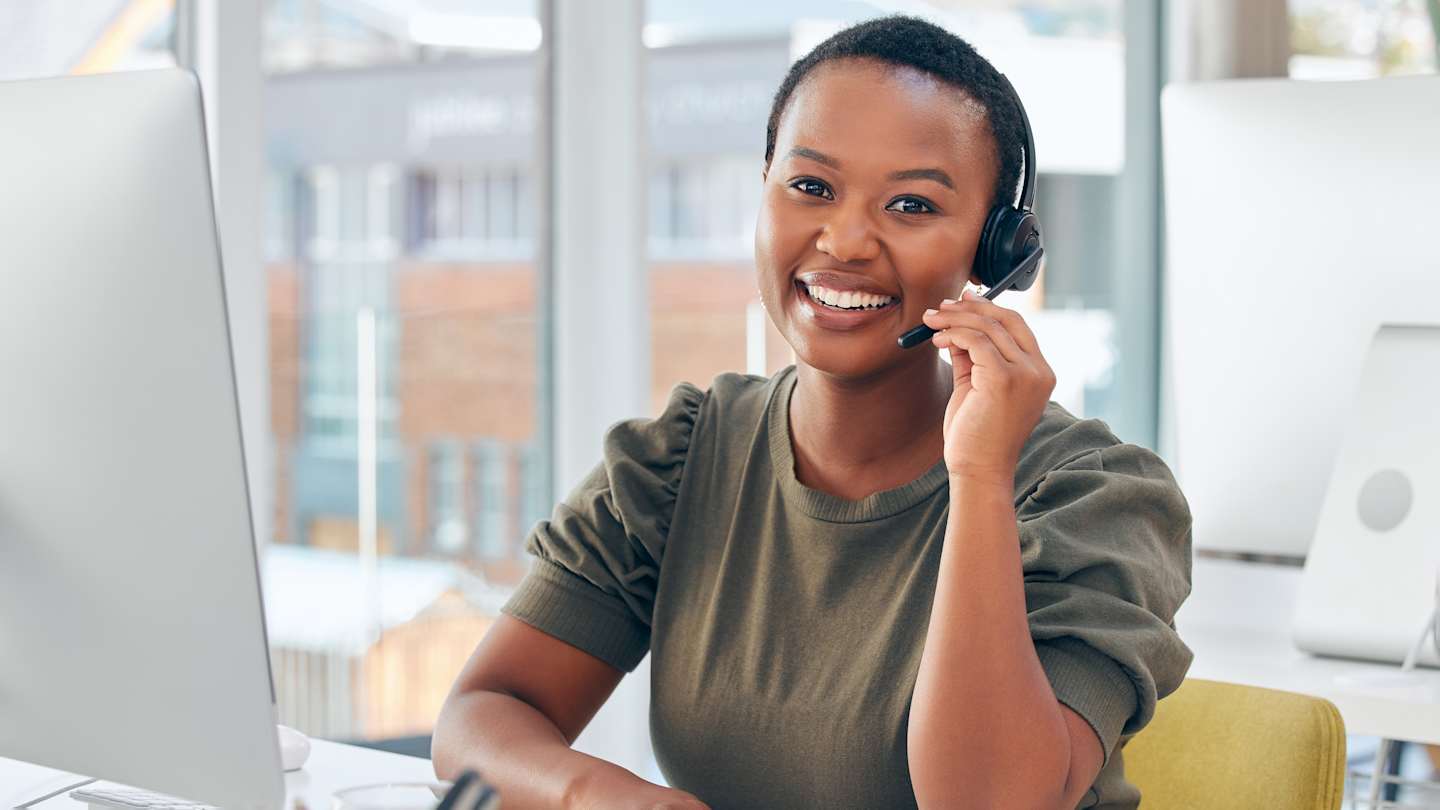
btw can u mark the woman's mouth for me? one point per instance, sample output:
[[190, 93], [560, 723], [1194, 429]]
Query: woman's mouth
[[836, 309]]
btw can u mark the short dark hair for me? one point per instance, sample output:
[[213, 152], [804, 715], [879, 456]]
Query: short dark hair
[[911, 42]]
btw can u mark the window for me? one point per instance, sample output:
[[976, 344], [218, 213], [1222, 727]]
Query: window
[[449, 532], [473, 213], [345, 264], [1351, 39], [704, 209], [496, 537], [535, 502], [39, 39], [401, 145]]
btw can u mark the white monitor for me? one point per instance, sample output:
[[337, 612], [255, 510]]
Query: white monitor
[[132, 643], [1300, 216], [1370, 577]]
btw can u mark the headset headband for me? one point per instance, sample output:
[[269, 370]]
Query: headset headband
[[1027, 191]]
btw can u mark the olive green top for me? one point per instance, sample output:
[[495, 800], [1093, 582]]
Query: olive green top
[[786, 623]]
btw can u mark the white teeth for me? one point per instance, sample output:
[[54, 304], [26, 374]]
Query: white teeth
[[848, 299]]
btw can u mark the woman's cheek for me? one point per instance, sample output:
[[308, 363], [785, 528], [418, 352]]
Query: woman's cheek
[[930, 277], [767, 276], [944, 266], [763, 232]]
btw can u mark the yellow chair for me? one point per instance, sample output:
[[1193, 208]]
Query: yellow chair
[[1222, 746]]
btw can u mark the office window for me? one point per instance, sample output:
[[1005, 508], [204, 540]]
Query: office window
[[310, 35], [1362, 39], [402, 146], [493, 509], [704, 209], [40, 38], [449, 532], [534, 500], [281, 189], [472, 213], [346, 258], [503, 197]]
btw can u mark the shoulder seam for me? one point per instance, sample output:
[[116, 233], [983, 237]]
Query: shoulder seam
[[690, 441]]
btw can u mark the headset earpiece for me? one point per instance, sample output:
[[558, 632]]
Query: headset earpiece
[[1012, 232], [1008, 237]]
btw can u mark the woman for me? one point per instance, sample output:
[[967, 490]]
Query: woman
[[874, 579]]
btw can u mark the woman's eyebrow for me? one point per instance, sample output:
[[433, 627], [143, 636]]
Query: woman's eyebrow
[[938, 175], [818, 157]]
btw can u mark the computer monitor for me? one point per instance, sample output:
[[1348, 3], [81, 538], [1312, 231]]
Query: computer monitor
[[1299, 218], [132, 643], [1370, 577]]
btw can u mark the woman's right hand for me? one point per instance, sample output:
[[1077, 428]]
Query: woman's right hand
[[611, 787]]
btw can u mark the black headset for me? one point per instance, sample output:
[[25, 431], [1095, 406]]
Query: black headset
[[1012, 232], [1010, 249]]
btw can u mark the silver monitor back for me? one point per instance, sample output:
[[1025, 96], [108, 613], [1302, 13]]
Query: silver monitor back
[[1299, 218], [132, 643], [1370, 576]]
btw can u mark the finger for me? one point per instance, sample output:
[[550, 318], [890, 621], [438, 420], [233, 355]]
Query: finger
[[1014, 322], [960, 361], [1016, 329], [978, 344], [999, 335]]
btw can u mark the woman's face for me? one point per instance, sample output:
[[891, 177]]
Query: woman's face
[[881, 180]]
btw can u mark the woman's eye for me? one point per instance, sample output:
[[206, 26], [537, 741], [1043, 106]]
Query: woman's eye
[[812, 187], [912, 205]]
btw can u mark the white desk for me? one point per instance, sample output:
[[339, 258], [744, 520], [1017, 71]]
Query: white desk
[[1237, 621], [331, 766]]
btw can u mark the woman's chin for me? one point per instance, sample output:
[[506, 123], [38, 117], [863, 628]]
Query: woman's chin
[[842, 357]]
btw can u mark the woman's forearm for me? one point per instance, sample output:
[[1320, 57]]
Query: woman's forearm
[[516, 748], [985, 729]]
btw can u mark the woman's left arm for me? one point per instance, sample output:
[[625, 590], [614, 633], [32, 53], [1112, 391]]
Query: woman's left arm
[[985, 728]]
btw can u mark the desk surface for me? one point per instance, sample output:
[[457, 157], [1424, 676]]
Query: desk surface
[[331, 766], [1237, 622]]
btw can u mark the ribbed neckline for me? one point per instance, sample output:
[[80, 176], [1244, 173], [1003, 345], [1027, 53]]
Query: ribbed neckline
[[823, 505]]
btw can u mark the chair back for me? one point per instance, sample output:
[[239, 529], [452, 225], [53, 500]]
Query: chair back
[[1223, 746]]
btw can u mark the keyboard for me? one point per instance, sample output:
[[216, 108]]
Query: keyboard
[[104, 794]]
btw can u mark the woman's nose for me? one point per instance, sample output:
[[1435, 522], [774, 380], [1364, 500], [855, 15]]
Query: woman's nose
[[848, 236]]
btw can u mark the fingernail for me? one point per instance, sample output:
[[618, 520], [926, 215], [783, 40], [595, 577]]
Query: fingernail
[[948, 301], [931, 311]]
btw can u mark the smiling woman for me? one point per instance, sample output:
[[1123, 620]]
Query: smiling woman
[[873, 578]]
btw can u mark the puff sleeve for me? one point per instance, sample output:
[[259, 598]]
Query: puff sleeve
[[1105, 549], [598, 556]]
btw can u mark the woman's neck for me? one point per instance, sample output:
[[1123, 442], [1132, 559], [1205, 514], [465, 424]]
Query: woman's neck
[[854, 437]]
